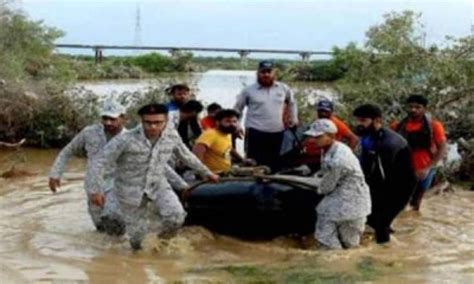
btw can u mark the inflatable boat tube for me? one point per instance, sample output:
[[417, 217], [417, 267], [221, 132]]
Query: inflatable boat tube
[[252, 208]]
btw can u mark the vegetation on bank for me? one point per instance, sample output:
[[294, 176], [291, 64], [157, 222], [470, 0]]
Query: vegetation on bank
[[32, 82], [150, 65]]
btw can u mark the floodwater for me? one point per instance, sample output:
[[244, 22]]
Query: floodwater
[[213, 86], [47, 237]]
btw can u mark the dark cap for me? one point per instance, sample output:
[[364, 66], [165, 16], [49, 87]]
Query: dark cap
[[325, 105], [153, 109], [266, 65]]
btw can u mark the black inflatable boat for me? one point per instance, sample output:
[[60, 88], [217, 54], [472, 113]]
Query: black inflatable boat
[[253, 208]]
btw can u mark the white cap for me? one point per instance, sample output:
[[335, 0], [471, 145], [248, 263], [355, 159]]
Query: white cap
[[112, 108], [320, 127]]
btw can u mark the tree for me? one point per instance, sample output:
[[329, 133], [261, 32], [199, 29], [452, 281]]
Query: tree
[[24, 45], [394, 63], [33, 81]]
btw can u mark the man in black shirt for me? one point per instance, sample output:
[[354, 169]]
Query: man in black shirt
[[385, 160]]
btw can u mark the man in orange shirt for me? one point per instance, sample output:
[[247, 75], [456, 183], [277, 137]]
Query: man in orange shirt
[[325, 109], [427, 141], [209, 121]]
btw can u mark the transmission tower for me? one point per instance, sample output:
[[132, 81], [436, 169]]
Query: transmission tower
[[138, 28]]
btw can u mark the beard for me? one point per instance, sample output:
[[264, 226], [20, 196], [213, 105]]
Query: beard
[[228, 129], [265, 82], [110, 129], [365, 131]]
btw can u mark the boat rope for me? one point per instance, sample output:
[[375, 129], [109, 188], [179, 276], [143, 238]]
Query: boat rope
[[256, 177]]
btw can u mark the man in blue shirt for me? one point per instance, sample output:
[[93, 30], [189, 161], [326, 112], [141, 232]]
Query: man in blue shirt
[[179, 95]]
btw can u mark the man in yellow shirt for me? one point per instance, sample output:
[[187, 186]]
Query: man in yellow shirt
[[214, 146]]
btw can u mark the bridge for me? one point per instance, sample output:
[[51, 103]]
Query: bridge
[[242, 52]]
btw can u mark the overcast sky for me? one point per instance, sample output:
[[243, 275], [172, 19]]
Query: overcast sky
[[307, 25]]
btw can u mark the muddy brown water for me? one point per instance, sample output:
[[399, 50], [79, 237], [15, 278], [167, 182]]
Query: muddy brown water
[[47, 237]]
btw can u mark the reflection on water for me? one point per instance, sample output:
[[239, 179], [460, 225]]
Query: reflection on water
[[50, 238]]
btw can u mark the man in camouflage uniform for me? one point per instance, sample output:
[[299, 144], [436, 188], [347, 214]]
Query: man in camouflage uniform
[[343, 211], [139, 158], [89, 142]]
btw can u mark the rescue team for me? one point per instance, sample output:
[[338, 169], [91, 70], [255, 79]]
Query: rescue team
[[129, 170]]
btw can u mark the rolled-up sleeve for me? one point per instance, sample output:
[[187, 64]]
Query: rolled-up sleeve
[[75, 147], [292, 105]]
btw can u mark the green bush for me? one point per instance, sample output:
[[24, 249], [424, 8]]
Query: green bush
[[154, 63], [319, 71], [135, 100]]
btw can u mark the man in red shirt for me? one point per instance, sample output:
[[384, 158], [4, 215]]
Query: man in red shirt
[[427, 140], [209, 121]]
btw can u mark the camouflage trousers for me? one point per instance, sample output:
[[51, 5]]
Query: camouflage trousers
[[339, 234], [164, 212], [108, 218]]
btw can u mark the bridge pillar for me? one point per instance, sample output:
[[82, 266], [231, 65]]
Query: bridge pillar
[[174, 52], [243, 56], [98, 56], [305, 56]]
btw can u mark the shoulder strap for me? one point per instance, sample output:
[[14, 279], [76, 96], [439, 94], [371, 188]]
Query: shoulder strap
[[427, 125], [402, 125]]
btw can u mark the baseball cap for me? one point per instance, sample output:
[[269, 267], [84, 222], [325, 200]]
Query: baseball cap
[[266, 64], [325, 105], [112, 108], [320, 127]]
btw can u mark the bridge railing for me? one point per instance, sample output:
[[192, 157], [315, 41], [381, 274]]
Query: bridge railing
[[242, 52]]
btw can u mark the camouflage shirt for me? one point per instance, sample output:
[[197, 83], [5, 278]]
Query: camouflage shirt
[[140, 167], [89, 143], [346, 194]]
